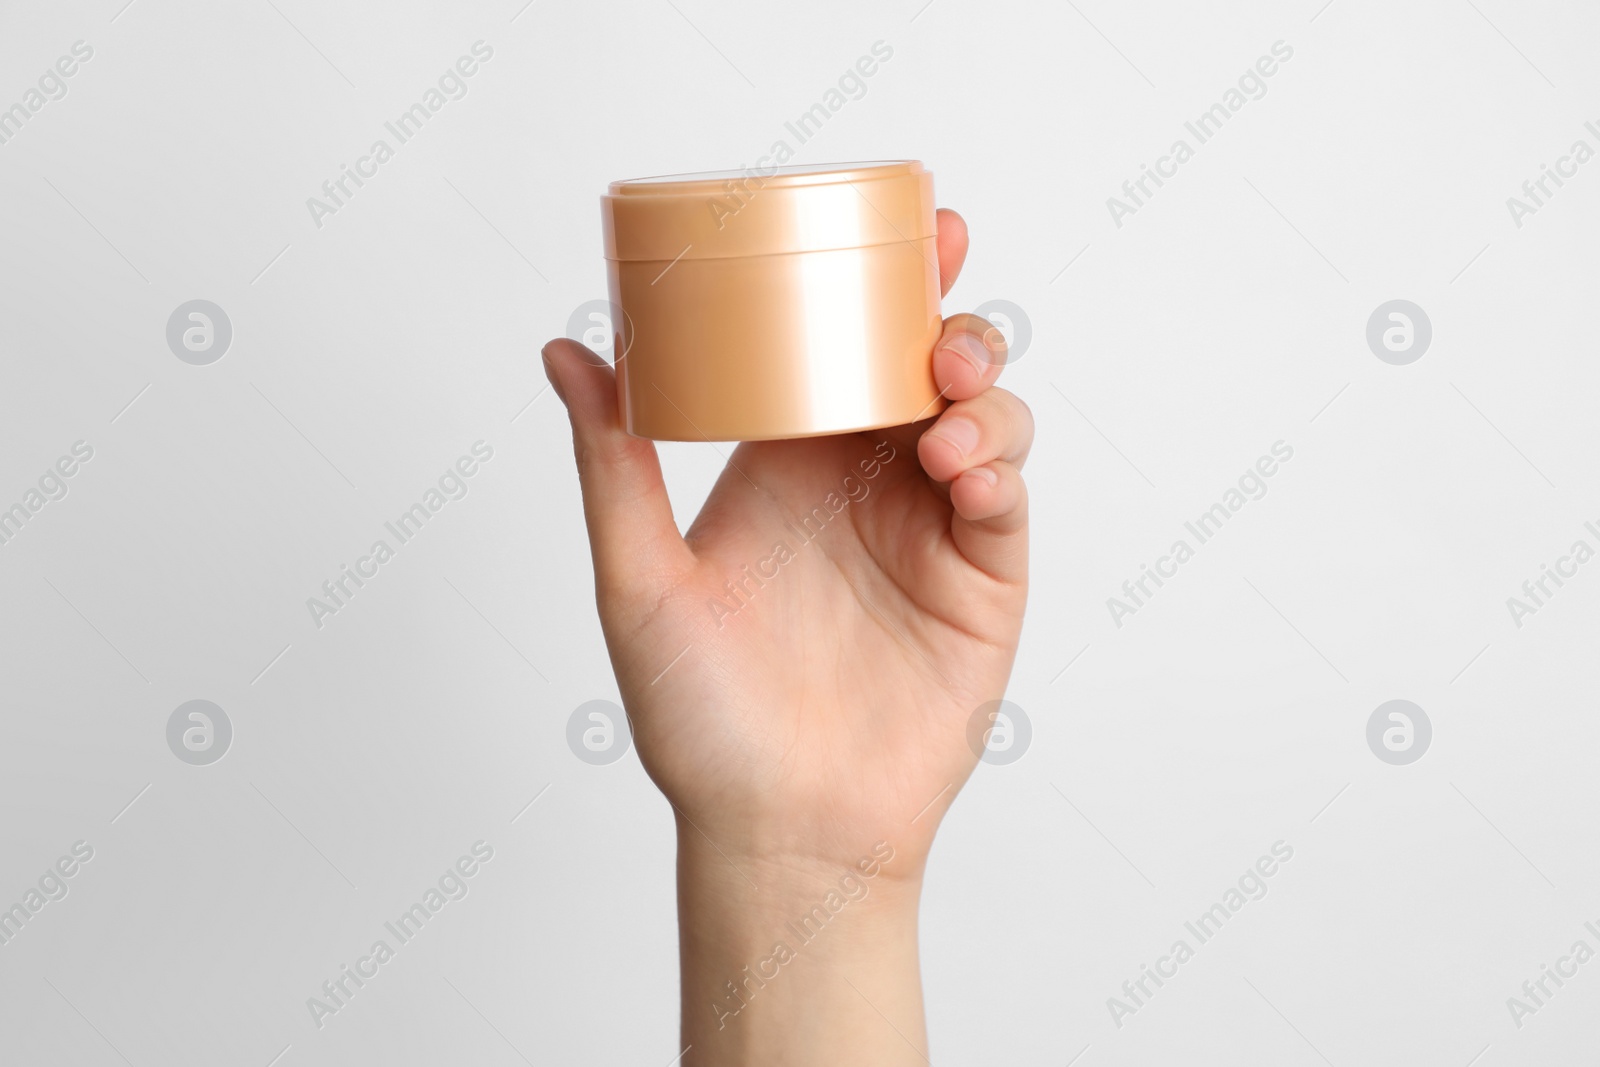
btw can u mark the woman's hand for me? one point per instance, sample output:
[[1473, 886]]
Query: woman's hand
[[800, 672]]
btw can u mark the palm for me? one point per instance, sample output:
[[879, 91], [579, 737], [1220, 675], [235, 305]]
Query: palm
[[839, 674]]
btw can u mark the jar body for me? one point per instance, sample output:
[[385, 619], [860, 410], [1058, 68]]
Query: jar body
[[778, 346], [796, 303]]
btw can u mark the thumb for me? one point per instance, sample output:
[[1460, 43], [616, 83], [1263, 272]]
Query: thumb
[[633, 537]]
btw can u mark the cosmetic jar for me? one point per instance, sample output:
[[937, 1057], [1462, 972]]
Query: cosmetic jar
[[791, 302]]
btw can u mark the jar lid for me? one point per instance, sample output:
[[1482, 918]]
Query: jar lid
[[728, 214]]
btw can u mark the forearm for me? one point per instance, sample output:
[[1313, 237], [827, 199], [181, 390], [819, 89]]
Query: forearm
[[788, 962]]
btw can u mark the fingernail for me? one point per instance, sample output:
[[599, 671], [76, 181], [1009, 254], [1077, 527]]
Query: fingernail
[[994, 339], [970, 349], [960, 433], [986, 474]]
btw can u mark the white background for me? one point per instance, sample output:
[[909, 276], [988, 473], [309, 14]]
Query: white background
[[368, 354]]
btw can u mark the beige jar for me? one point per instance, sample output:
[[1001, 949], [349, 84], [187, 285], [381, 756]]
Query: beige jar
[[791, 304]]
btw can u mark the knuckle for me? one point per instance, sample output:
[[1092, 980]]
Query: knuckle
[[1023, 413], [1009, 407]]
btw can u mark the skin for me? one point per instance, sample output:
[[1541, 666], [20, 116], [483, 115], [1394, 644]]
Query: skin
[[811, 733]]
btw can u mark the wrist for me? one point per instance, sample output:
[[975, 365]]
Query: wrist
[[798, 850], [750, 883], [774, 942]]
